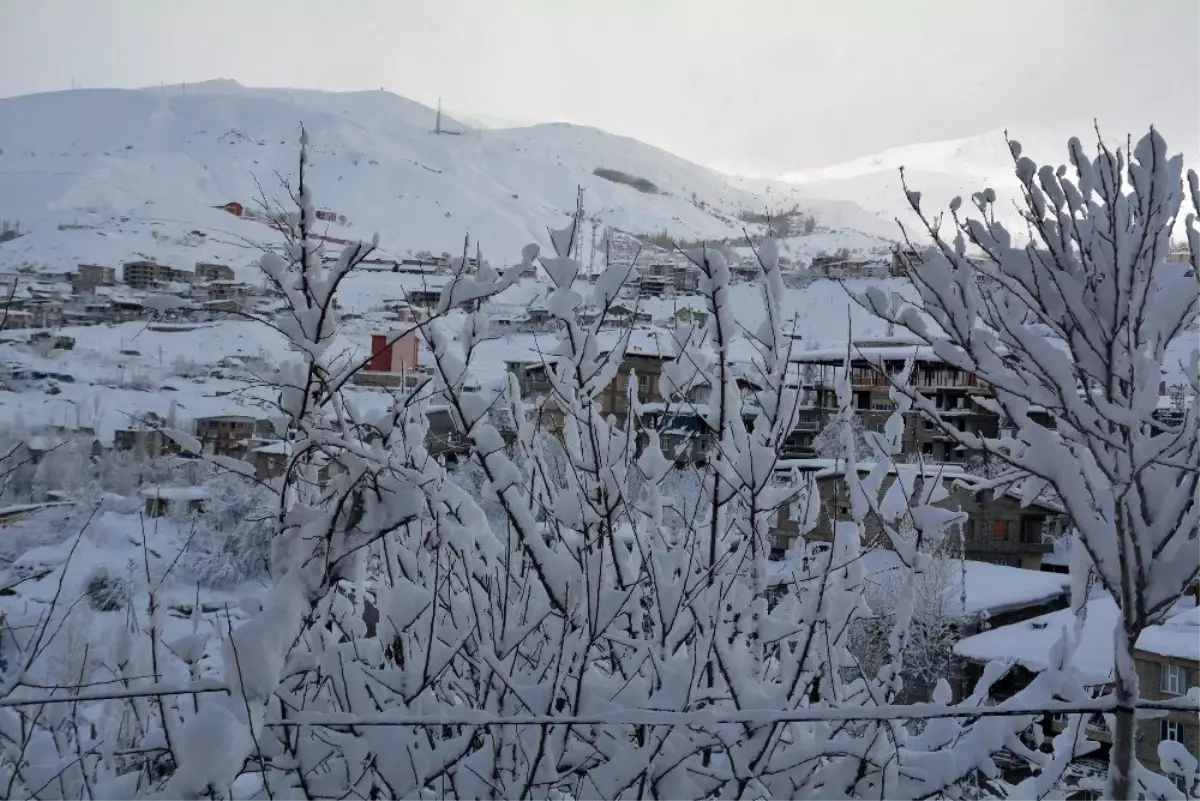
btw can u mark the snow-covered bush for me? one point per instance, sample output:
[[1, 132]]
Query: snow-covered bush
[[105, 591], [230, 542]]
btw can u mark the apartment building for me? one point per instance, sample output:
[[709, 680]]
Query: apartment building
[[152, 275]]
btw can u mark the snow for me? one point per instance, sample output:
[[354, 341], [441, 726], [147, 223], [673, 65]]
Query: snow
[[1177, 636], [104, 176], [175, 493], [1030, 642], [989, 588]]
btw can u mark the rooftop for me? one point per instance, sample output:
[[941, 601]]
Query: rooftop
[[174, 493], [1030, 642]]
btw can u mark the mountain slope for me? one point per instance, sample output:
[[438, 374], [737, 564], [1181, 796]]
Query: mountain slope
[[942, 170], [106, 175]]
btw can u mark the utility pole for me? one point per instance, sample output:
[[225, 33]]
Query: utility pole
[[437, 128], [576, 244], [592, 253]]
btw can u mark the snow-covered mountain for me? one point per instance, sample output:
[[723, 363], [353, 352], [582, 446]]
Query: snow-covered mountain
[[106, 175], [942, 170]]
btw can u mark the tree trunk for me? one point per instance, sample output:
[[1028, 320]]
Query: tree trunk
[[1122, 758]]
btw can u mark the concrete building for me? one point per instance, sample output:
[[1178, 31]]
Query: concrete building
[[227, 435], [394, 360], [1168, 665], [152, 275], [998, 530], [211, 271], [955, 393], [91, 276]]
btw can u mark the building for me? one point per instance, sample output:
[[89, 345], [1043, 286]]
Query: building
[[12, 319], [227, 435], [902, 258], [840, 267], [221, 289], [210, 271], [44, 312], [91, 276], [956, 394], [394, 360], [147, 439], [998, 530], [1167, 658], [152, 275], [162, 501]]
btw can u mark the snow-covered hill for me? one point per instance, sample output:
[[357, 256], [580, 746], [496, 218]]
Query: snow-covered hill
[[107, 175], [942, 170]]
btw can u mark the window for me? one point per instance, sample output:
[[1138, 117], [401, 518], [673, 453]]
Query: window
[[1000, 531], [1031, 529], [1174, 679], [927, 424], [1171, 730]]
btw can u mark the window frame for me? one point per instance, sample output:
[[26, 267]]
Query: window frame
[[1172, 678], [1166, 726]]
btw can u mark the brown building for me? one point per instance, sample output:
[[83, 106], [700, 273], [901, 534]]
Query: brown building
[[148, 441], [998, 530], [210, 271], [955, 393], [91, 276], [902, 258], [1168, 665], [227, 435]]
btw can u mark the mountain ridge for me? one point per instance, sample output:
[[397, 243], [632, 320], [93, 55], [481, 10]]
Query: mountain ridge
[[107, 174]]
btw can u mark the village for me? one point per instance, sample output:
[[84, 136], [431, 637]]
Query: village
[[1012, 556]]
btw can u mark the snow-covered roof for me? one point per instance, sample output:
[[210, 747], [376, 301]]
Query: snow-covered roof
[[836, 355], [989, 588], [828, 468], [1177, 636], [175, 493], [1030, 642], [279, 448]]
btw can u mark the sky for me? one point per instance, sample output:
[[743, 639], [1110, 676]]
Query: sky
[[758, 86]]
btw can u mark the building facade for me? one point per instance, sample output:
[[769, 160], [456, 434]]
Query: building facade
[[91, 276], [152, 275], [211, 271]]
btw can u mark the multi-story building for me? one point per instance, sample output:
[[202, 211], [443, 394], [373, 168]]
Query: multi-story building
[[1167, 658], [91, 276], [152, 275], [228, 435], [873, 366], [999, 530], [210, 271]]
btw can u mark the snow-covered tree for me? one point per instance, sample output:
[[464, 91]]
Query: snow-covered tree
[[827, 444], [1082, 321], [613, 629]]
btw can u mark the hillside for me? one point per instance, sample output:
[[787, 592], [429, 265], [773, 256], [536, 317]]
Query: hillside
[[106, 175], [942, 170]]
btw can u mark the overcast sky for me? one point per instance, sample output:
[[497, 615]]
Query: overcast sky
[[762, 85]]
